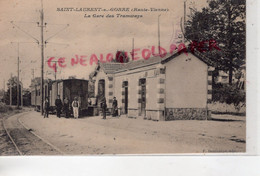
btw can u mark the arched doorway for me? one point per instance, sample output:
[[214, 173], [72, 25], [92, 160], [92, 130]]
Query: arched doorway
[[101, 91]]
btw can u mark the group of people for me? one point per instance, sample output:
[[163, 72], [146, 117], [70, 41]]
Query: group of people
[[65, 106], [114, 108]]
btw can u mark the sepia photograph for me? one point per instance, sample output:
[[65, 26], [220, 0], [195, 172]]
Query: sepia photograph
[[122, 77]]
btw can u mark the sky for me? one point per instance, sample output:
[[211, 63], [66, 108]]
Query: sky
[[83, 36]]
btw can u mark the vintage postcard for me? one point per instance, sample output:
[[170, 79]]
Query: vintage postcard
[[122, 77]]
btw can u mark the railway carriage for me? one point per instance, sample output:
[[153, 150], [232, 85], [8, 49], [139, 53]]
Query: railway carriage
[[36, 95], [68, 88]]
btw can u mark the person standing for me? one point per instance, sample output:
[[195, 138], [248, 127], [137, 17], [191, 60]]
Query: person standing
[[58, 105], [89, 101], [66, 107], [46, 107], [104, 108], [114, 108], [75, 106]]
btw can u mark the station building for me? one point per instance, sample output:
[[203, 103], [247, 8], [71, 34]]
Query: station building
[[178, 86]]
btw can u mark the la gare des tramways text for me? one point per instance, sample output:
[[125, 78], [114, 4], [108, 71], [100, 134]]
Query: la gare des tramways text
[[65, 9]]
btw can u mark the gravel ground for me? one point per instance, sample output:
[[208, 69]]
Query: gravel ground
[[92, 135], [6, 146], [27, 143]]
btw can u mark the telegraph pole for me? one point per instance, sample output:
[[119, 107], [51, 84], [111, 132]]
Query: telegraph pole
[[42, 56], [11, 86], [21, 93], [42, 42], [133, 47], [55, 72], [18, 83], [184, 20], [159, 34], [18, 72], [34, 81], [4, 91], [184, 16]]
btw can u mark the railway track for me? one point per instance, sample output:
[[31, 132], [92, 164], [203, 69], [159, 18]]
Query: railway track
[[25, 140]]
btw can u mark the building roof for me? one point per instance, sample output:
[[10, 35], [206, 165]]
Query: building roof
[[199, 55], [110, 68], [142, 62]]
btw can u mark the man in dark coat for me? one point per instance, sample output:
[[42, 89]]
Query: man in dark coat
[[114, 108], [66, 106], [58, 105], [46, 107], [104, 108]]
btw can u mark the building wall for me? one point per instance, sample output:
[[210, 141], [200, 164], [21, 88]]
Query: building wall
[[186, 82], [33, 97], [155, 96], [132, 80], [178, 89], [101, 75], [186, 88], [151, 74], [54, 93]]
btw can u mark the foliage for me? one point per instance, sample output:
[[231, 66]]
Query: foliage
[[121, 57], [12, 83], [2, 92], [36, 81], [224, 108], [5, 108], [229, 94], [72, 77], [224, 22]]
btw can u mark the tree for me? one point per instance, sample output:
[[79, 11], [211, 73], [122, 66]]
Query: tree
[[72, 77], [36, 81], [2, 93], [12, 84], [224, 22], [121, 57]]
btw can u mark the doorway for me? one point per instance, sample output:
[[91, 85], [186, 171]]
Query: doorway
[[101, 90], [143, 96], [125, 97]]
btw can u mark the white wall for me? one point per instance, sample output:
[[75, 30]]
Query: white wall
[[186, 82], [133, 83], [132, 90], [151, 93]]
